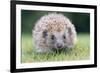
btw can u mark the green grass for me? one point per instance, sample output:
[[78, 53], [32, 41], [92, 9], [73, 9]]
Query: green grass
[[80, 52]]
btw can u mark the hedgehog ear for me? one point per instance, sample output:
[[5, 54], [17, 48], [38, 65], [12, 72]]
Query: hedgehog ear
[[45, 33], [69, 31]]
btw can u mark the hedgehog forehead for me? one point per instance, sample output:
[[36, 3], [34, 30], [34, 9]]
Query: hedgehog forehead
[[57, 27], [57, 34]]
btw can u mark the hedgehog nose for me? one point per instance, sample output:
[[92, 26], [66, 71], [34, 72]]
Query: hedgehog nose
[[59, 45]]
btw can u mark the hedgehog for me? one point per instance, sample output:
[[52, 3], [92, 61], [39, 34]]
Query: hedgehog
[[53, 31]]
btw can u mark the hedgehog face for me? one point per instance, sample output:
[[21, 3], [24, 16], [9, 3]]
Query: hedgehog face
[[56, 40]]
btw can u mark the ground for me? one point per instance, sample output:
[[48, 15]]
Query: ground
[[80, 52]]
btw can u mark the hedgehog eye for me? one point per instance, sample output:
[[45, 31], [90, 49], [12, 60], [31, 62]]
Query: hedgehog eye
[[64, 36], [45, 34], [52, 37]]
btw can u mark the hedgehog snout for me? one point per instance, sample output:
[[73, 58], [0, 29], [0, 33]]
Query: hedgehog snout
[[59, 45]]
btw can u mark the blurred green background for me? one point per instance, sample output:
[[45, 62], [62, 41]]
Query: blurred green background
[[81, 51]]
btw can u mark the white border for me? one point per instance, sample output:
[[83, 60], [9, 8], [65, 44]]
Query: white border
[[51, 64]]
